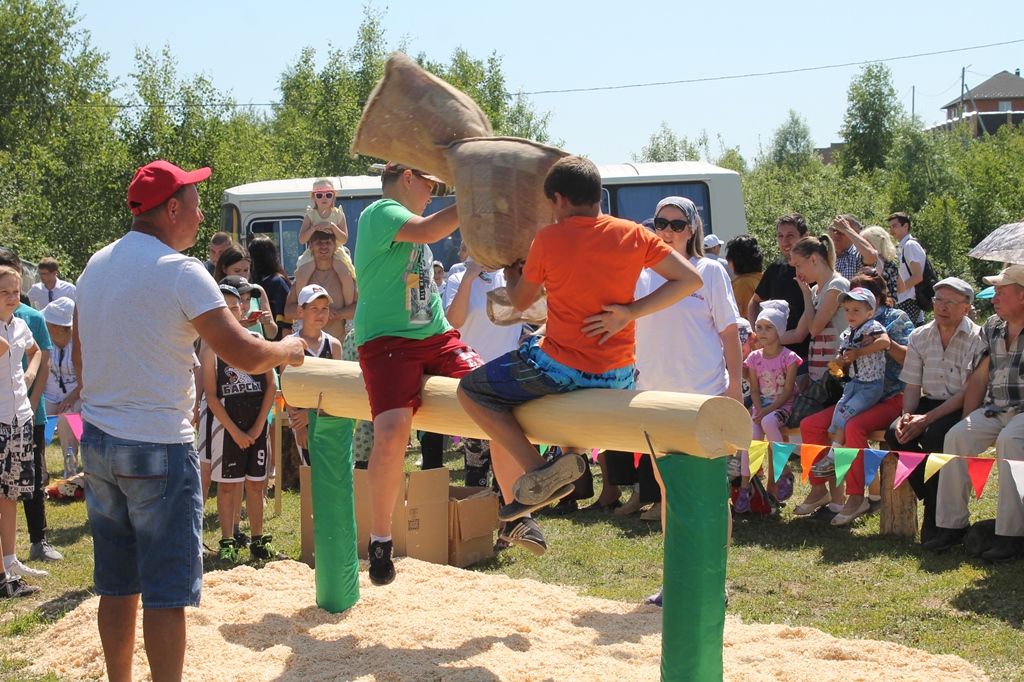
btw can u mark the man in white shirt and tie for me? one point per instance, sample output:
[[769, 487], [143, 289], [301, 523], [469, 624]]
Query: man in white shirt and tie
[[50, 287]]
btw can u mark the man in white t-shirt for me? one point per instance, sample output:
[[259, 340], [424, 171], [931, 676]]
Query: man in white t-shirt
[[911, 267], [134, 361], [50, 287]]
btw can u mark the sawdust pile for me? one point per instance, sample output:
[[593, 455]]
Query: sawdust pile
[[442, 623]]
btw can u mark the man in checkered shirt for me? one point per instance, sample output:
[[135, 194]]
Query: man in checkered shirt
[[996, 386], [940, 357]]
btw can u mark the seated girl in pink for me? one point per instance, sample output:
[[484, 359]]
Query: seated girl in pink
[[771, 372]]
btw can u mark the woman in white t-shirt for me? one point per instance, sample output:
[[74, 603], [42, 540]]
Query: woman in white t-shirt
[[701, 327], [814, 259]]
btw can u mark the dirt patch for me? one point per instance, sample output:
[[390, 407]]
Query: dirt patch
[[443, 623]]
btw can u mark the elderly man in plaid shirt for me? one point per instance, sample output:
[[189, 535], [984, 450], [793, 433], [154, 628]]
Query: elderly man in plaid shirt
[[940, 357], [999, 420]]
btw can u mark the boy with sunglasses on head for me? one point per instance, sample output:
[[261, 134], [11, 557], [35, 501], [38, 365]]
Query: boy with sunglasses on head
[[590, 337]]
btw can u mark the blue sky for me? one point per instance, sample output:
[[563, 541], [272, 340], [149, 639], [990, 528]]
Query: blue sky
[[244, 47]]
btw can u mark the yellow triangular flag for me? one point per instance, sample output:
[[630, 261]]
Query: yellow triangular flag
[[758, 451], [935, 461]]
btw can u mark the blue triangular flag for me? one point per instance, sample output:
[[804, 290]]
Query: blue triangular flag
[[872, 460], [781, 452], [51, 429]]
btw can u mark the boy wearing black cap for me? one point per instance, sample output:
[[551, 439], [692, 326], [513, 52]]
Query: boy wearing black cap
[[234, 434]]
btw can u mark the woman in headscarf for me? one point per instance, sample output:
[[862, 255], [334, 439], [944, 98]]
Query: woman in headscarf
[[702, 326]]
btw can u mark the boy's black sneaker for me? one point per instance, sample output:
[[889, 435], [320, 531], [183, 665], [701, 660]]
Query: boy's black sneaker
[[261, 548], [382, 568], [516, 509], [15, 586], [525, 533], [241, 539]]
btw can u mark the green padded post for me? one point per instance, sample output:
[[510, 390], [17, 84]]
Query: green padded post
[[334, 512], [696, 536]]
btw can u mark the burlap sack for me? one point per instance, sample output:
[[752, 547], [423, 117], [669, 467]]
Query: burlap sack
[[499, 185], [412, 115], [501, 312]]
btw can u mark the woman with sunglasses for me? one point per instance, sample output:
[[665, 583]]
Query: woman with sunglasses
[[703, 325]]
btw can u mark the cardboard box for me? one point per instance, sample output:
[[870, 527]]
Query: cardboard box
[[472, 520], [419, 527]]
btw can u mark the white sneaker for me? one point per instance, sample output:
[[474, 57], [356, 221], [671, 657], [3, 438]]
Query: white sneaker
[[19, 569]]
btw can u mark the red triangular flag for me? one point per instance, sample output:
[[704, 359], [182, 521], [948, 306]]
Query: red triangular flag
[[978, 468], [637, 456], [908, 461], [808, 454]]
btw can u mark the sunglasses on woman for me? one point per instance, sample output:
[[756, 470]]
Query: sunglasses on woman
[[323, 195], [676, 225]]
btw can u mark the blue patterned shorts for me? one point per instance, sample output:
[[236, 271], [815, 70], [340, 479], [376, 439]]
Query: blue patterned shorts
[[528, 373]]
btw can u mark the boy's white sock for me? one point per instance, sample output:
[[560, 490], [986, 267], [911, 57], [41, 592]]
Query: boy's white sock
[[380, 538], [8, 560]]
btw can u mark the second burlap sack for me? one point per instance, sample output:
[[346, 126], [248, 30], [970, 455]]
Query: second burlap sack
[[499, 191], [412, 115]]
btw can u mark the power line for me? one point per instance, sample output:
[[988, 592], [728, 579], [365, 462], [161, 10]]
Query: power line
[[599, 88], [779, 72]]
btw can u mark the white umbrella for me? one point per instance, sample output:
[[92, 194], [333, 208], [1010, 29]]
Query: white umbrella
[[1005, 245]]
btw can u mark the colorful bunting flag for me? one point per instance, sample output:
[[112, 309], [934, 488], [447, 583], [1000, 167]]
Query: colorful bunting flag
[[936, 461], [978, 468], [908, 461], [781, 452], [637, 456], [844, 458], [593, 455], [872, 462], [1017, 472], [50, 429], [808, 454], [75, 422], [757, 453]]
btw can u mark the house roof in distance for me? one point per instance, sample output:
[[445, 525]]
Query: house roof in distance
[[1003, 85]]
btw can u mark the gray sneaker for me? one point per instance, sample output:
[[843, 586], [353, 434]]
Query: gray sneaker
[[534, 487], [43, 551]]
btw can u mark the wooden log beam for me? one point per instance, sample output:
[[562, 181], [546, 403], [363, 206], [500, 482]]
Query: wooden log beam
[[704, 426]]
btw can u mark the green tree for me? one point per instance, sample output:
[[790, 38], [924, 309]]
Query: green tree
[[791, 145], [942, 231], [666, 145], [58, 150], [872, 116]]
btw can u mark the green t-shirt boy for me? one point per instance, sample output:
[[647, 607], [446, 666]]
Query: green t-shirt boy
[[397, 294]]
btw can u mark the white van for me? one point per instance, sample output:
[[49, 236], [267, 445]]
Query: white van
[[631, 190]]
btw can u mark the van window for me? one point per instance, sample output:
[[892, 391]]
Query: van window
[[285, 233], [637, 202]]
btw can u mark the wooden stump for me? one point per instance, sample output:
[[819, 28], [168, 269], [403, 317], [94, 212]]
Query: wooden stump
[[899, 506]]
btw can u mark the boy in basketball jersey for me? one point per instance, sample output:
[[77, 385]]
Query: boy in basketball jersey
[[236, 441], [314, 310]]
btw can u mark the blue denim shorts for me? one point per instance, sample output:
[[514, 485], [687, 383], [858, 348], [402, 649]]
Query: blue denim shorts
[[528, 373], [146, 510]]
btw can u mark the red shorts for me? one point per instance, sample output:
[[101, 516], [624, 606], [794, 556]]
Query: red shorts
[[393, 367]]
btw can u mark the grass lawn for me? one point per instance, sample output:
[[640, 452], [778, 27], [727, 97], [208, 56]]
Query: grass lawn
[[850, 583]]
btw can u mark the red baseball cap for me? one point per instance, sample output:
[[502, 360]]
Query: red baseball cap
[[155, 182]]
